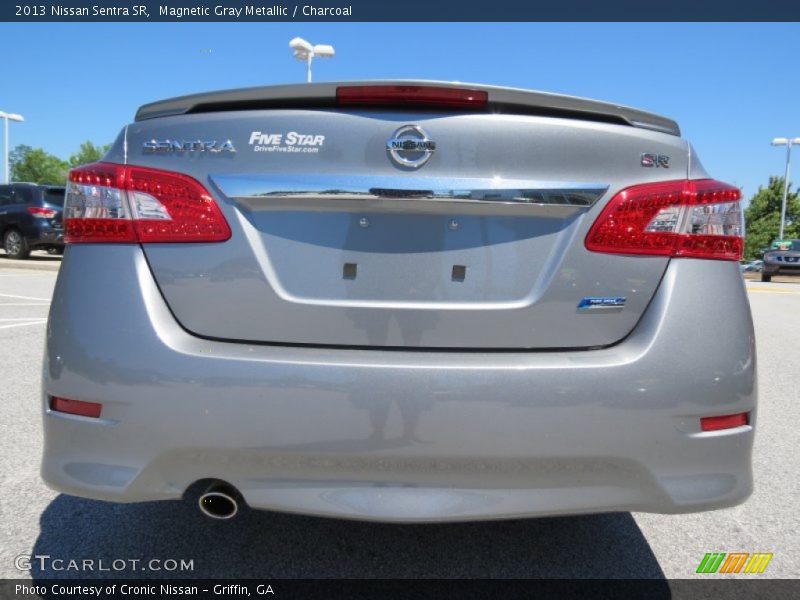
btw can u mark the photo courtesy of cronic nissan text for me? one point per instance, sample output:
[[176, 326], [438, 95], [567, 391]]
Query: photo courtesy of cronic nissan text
[[423, 300]]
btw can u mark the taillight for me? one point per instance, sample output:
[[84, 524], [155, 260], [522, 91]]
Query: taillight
[[422, 96], [688, 218], [39, 212], [112, 203]]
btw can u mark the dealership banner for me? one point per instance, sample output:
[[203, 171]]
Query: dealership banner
[[419, 589], [407, 10]]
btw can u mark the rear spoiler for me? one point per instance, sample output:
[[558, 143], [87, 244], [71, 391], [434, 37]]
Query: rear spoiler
[[324, 95]]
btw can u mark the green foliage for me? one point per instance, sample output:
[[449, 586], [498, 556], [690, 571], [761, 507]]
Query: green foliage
[[88, 153], [35, 165], [763, 217]]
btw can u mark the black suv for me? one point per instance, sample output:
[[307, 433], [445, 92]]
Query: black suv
[[31, 218]]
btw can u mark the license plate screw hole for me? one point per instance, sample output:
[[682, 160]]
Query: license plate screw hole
[[349, 270]]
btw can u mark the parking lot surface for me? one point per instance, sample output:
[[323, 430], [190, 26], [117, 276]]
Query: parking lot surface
[[37, 521]]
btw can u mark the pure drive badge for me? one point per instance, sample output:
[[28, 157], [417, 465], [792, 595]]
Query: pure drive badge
[[179, 146], [603, 302]]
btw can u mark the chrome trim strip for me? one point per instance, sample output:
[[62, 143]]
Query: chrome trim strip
[[496, 195]]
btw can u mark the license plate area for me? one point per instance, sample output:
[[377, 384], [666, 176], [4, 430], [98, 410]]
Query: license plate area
[[367, 258]]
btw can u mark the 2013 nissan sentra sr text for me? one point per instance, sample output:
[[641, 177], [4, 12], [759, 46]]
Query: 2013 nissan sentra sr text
[[439, 302]]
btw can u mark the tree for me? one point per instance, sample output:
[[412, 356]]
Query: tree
[[763, 217], [37, 166], [88, 153]]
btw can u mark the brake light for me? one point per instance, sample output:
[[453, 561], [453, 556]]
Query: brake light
[[687, 218], [39, 212], [423, 96], [76, 407], [113, 203]]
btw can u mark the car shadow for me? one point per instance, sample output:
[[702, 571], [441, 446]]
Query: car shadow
[[260, 543]]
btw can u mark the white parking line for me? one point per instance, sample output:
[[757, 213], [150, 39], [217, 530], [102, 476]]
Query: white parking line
[[2, 304], [38, 322], [24, 297], [772, 291], [21, 319]]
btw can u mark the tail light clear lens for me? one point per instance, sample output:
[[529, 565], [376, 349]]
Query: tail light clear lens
[[687, 218], [40, 212], [113, 203]]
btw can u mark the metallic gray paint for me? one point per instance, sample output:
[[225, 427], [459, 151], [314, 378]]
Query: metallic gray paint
[[399, 436], [489, 417]]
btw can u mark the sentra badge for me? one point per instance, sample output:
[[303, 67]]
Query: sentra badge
[[180, 146]]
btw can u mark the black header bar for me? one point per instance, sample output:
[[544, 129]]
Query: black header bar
[[404, 10]]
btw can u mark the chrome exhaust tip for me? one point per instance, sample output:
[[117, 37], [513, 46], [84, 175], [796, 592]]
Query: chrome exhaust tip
[[220, 501]]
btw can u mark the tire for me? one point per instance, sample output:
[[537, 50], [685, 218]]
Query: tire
[[55, 250], [766, 278], [15, 245]]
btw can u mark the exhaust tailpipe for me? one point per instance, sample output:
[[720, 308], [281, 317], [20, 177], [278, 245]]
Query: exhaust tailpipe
[[220, 501]]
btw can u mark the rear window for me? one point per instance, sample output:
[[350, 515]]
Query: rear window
[[23, 195], [54, 196]]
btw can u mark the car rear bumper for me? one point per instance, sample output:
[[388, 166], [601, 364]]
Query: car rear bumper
[[46, 237], [399, 435]]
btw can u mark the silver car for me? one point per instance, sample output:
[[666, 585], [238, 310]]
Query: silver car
[[401, 301]]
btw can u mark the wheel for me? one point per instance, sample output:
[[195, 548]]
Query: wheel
[[766, 278], [56, 250], [15, 245]]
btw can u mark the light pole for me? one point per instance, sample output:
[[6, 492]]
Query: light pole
[[788, 142], [303, 50], [6, 117]]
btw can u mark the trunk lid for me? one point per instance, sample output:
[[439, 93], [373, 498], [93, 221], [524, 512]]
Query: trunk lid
[[336, 243]]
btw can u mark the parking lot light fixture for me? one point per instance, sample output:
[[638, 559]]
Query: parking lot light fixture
[[305, 51], [6, 118], [788, 142]]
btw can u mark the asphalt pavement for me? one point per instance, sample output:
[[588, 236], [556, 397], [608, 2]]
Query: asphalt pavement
[[37, 521]]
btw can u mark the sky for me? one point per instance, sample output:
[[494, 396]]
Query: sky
[[731, 87]]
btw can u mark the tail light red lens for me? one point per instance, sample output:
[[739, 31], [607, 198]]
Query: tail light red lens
[[687, 218], [421, 96], [723, 422], [113, 203], [40, 212], [76, 407]]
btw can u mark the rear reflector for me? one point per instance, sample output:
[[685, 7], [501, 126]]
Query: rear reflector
[[41, 213], [686, 218], [75, 407], [723, 422], [421, 96], [113, 203]]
